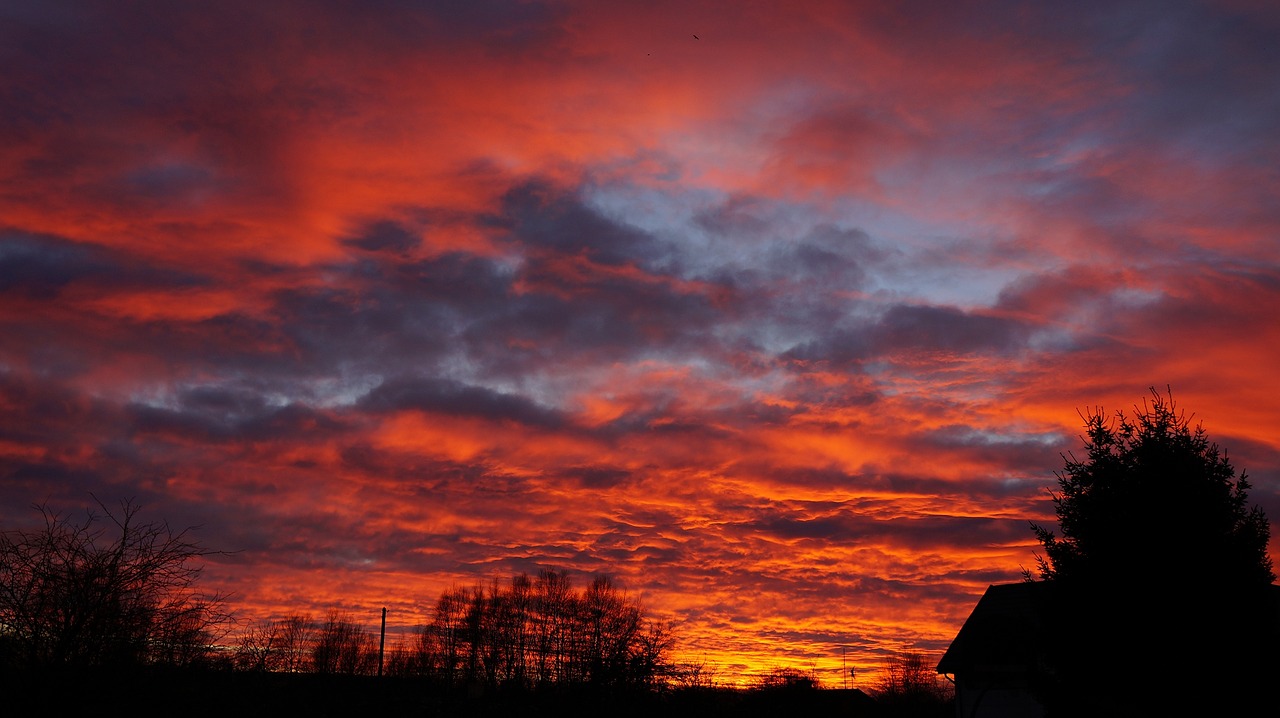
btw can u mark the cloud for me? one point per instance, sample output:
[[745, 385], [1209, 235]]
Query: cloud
[[945, 329], [41, 267], [451, 398], [385, 236], [842, 146], [786, 327], [540, 217], [914, 329]]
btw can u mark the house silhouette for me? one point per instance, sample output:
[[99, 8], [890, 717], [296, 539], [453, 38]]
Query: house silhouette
[[1007, 658], [998, 655]]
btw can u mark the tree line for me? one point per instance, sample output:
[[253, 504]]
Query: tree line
[[529, 633], [105, 590]]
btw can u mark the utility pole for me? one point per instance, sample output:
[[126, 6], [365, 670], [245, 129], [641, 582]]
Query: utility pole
[[382, 641]]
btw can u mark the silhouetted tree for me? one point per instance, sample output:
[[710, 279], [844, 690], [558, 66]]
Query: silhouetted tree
[[1160, 573], [694, 675], [553, 623], [342, 646], [513, 624], [1154, 498], [297, 634], [612, 633], [259, 648], [541, 632], [183, 633], [473, 635], [448, 628], [786, 678], [105, 590], [648, 658], [416, 656], [909, 685]]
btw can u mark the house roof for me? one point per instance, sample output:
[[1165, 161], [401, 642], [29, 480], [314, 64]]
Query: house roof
[[1008, 630], [1004, 633]]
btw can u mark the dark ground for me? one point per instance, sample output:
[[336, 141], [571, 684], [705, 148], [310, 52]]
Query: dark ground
[[224, 694]]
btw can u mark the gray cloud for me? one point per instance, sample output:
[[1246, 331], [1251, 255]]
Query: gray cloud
[[452, 398]]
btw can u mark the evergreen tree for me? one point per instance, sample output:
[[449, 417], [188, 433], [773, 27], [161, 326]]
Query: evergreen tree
[[1152, 500], [1161, 597]]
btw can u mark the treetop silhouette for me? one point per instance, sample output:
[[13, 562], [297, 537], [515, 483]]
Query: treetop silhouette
[[1153, 499], [1158, 590]]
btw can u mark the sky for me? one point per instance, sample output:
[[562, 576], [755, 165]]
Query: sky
[[781, 314]]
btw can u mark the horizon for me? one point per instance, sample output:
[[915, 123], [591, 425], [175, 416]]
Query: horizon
[[781, 316]]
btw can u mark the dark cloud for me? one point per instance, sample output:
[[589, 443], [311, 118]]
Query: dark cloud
[[542, 217], [1015, 453], [78, 445], [507, 316], [372, 330], [827, 258], [826, 529], [444, 396], [167, 184], [809, 286], [1213, 301], [598, 476], [229, 401], [1199, 72], [385, 236], [913, 328], [842, 348], [213, 424], [41, 266], [602, 317], [471, 286], [507, 29], [847, 527], [931, 328], [423, 477]]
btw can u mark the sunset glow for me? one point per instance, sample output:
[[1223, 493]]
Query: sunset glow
[[786, 327]]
